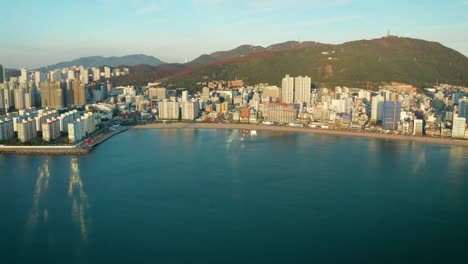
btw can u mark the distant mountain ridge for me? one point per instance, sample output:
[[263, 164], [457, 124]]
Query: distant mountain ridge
[[97, 61], [245, 50], [361, 63]]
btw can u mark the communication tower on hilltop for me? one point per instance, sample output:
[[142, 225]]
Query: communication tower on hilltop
[[388, 34]]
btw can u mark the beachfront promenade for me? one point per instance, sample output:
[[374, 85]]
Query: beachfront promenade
[[422, 139]]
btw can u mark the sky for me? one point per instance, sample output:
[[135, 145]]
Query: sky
[[44, 32]]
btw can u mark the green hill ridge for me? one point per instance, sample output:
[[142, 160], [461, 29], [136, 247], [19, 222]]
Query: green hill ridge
[[413, 61]]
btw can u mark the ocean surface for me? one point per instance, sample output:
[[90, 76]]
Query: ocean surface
[[223, 196]]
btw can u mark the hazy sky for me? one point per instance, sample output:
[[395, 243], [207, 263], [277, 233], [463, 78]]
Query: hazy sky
[[43, 32]]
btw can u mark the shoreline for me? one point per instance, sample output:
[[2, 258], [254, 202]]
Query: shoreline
[[344, 133]]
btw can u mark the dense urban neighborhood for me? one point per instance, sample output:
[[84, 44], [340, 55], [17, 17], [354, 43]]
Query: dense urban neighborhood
[[66, 106]]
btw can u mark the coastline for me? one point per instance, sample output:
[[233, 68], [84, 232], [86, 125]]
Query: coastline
[[344, 133]]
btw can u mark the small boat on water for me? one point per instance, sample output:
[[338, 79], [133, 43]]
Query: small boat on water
[[253, 132]]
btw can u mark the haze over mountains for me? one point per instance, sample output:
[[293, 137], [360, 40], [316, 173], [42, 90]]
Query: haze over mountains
[[97, 61]]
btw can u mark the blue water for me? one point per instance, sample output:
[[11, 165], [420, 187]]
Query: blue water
[[207, 196]]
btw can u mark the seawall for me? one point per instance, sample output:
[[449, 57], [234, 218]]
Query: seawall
[[44, 150]]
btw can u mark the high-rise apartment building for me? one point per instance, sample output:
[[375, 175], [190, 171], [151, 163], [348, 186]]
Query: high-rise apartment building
[[26, 130], [2, 74], [6, 129], [302, 89], [107, 72], [287, 90], [43, 116], [80, 93], [50, 130], [463, 107], [84, 75], [18, 95], [157, 93], [418, 127], [76, 131], [39, 77], [24, 75], [96, 74], [71, 75], [189, 110], [391, 115], [458, 127], [185, 95], [67, 118], [5, 98], [52, 94], [375, 107], [168, 110], [88, 122]]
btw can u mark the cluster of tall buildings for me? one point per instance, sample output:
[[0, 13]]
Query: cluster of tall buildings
[[296, 89], [396, 108], [60, 88], [27, 125]]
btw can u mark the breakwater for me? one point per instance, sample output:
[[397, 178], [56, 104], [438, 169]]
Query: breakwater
[[80, 149], [45, 150]]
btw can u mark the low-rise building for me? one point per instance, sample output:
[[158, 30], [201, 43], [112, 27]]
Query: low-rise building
[[282, 113]]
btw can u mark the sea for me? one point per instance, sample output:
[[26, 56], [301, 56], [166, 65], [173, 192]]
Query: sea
[[230, 196]]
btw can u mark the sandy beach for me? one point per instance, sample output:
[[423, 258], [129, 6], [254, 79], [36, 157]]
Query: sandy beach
[[421, 139]]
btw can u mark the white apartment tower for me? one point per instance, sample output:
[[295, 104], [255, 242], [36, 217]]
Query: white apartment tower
[[189, 110], [288, 90], [24, 75], [84, 76], [375, 104], [458, 128], [71, 75], [418, 127], [26, 130], [96, 74], [168, 110], [50, 130], [107, 72], [302, 86]]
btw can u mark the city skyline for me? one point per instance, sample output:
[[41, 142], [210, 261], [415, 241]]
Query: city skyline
[[173, 31]]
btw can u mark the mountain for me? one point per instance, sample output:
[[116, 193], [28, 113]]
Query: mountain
[[355, 63], [97, 61], [143, 74], [12, 73], [244, 50]]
